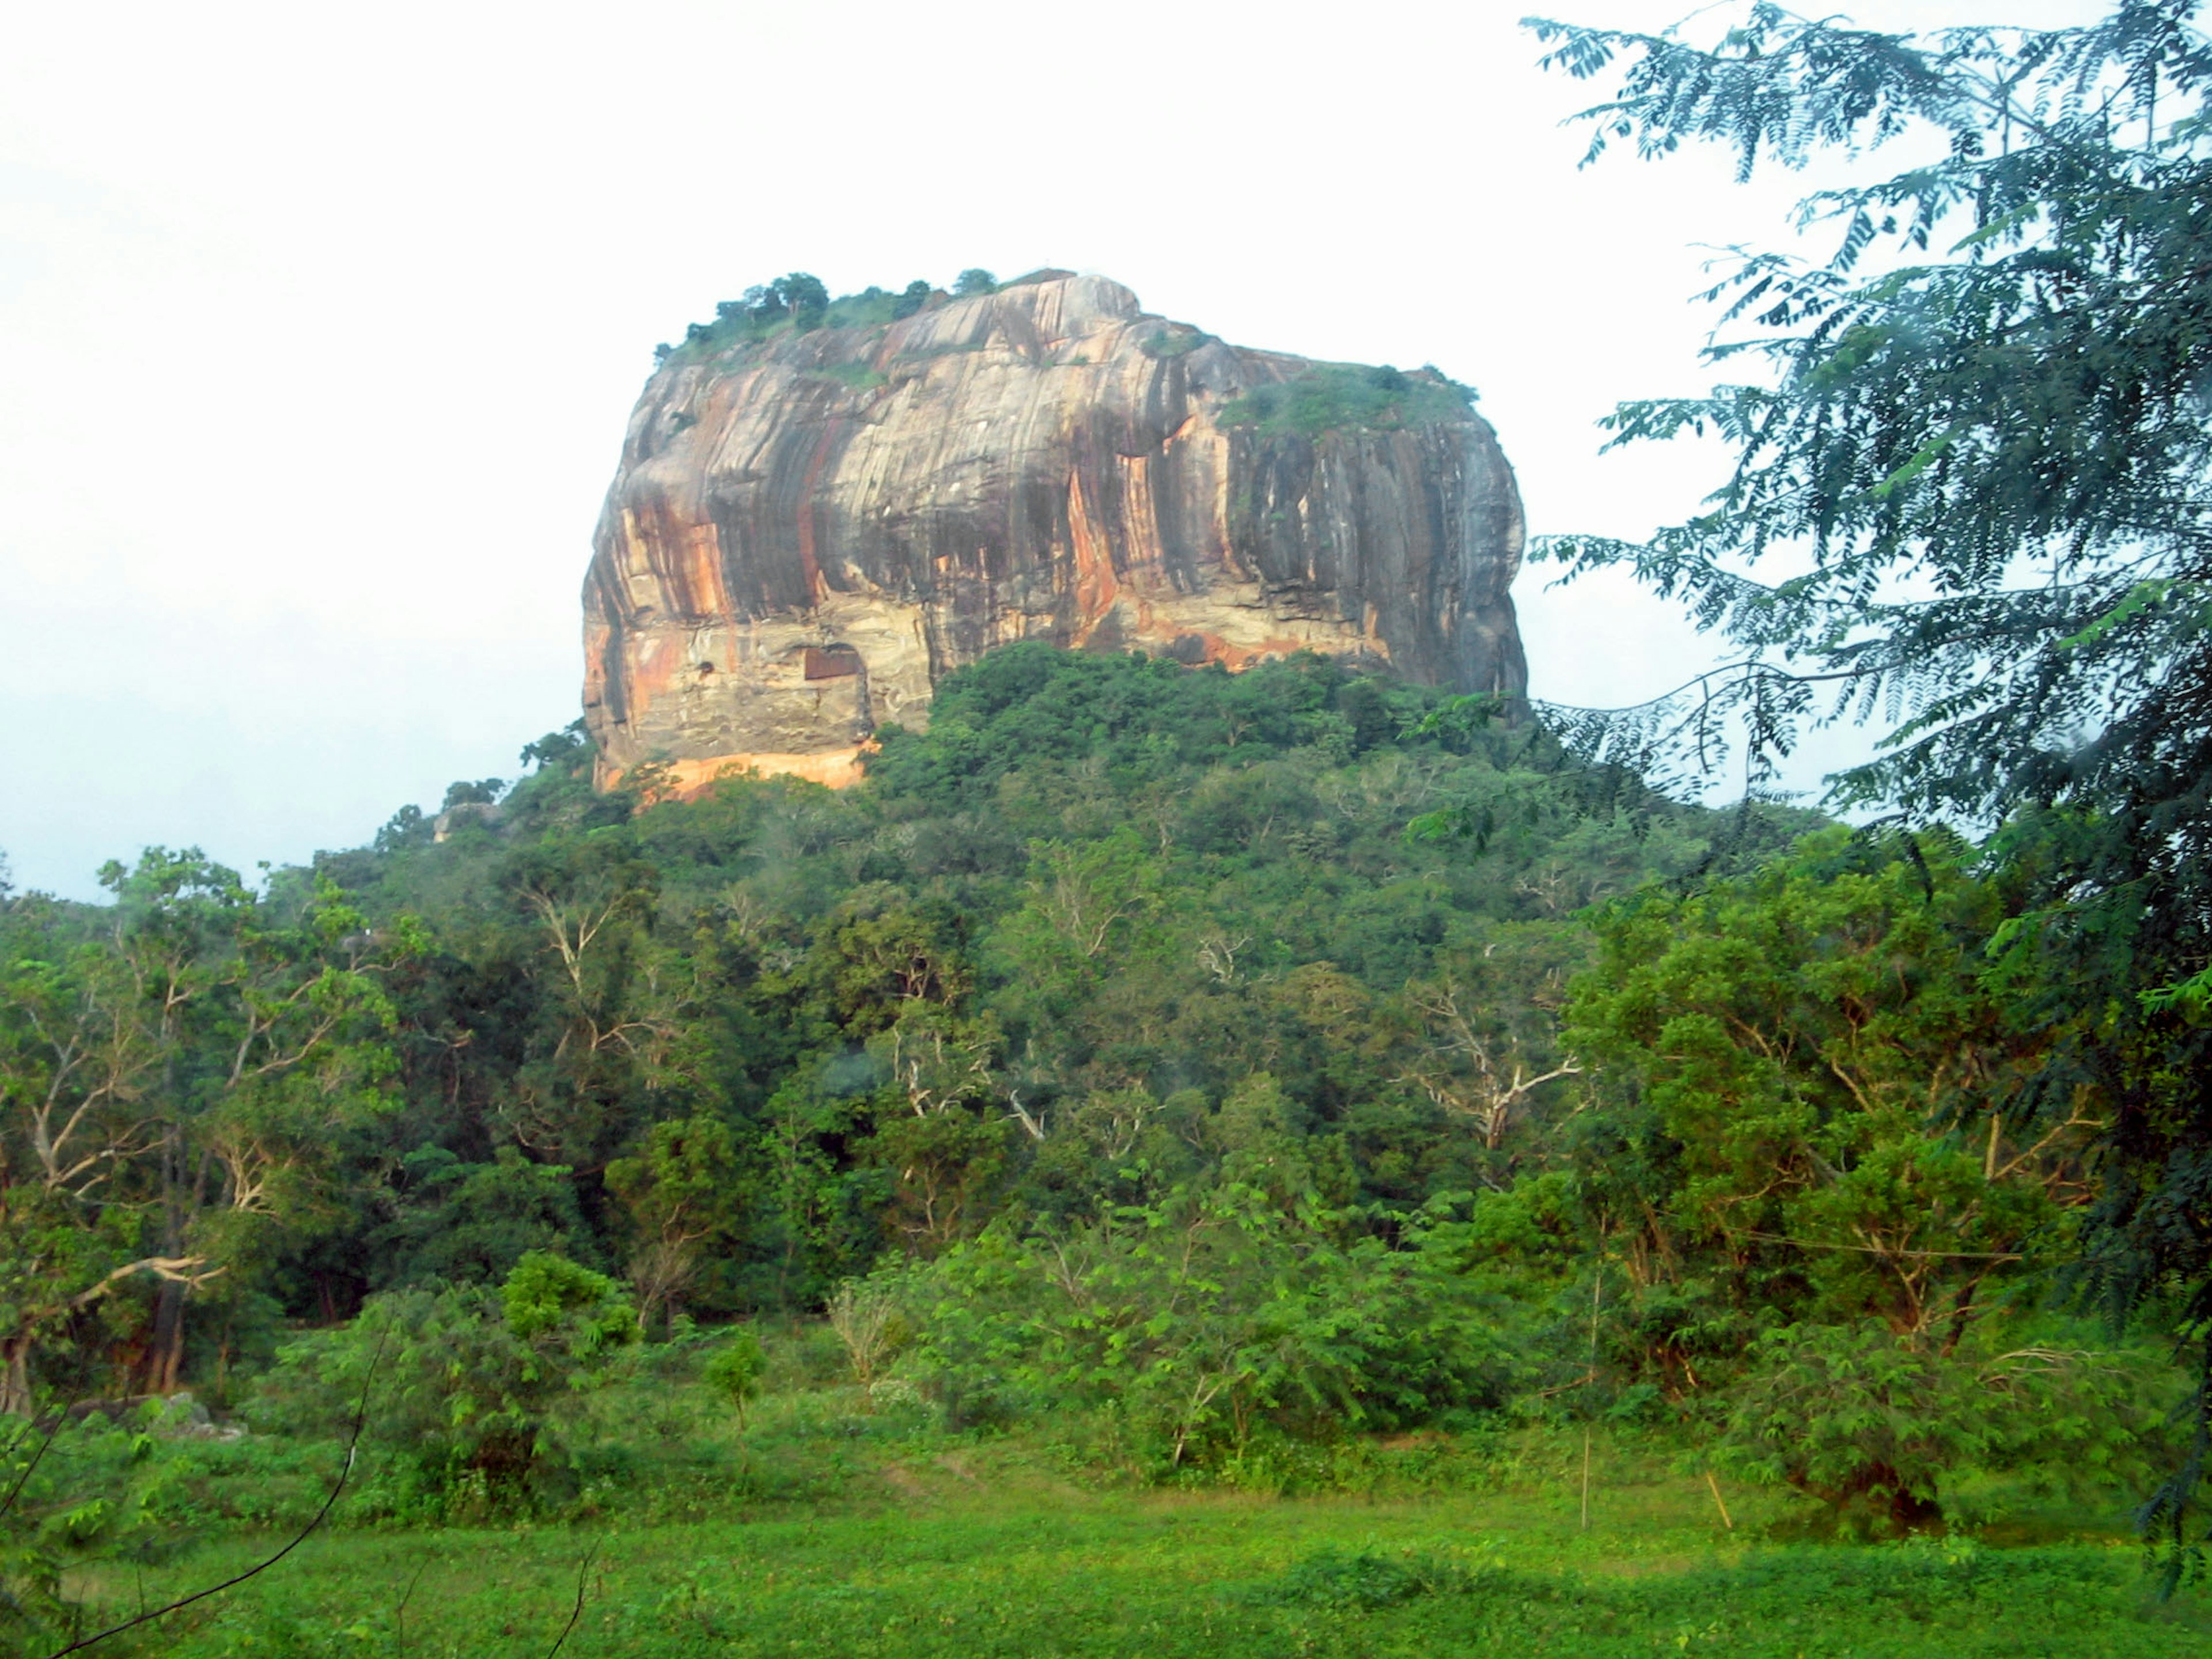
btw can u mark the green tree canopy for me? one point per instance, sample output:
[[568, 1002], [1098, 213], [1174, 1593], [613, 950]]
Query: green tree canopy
[[1969, 497]]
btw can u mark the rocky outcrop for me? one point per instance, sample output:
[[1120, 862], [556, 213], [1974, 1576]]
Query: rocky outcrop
[[809, 531]]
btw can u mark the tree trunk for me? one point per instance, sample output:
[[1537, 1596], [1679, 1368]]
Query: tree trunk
[[181, 1214], [167, 1350], [16, 1375]]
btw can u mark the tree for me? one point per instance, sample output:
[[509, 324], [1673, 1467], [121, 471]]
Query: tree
[[172, 1081], [1085, 902], [1840, 1163], [409, 827], [479, 792], [734, 1371], [614, 1001], [562, 748], [1981, 449], [803, 297], [975, 280], [288, 1047], [1463, 1061], [684, 1189], [1805, 1036]]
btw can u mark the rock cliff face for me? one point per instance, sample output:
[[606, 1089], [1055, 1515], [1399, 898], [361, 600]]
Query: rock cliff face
[[808, 531]]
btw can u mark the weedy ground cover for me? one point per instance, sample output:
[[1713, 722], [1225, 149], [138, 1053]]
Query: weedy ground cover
[[935, 1544]]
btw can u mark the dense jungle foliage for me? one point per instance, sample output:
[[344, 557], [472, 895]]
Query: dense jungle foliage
[[1966, 508], [1226, 1063]]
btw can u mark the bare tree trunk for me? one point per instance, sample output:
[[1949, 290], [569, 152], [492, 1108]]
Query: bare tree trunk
[[172, 1359], [16, 1375], [173, 1363], [167, 1352], [222, 1352]]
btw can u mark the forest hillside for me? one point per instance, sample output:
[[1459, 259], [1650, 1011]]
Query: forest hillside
[[1224, 1062]]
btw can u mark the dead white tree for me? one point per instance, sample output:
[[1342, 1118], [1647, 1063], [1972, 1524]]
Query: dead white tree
[[1462, 1075], [1032, 1123], [575, 929], [1216, 954], [937, 1074], [866, 1318]]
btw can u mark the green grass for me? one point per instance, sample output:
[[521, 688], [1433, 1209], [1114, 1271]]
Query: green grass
[[1343, 396], [857, 375], [938, 1546], [1174, 340], [823, 1527]]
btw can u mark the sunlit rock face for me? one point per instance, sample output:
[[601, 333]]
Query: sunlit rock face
[[807, 534]]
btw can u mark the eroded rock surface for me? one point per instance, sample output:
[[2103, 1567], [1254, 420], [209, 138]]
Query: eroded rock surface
[[808, 532]]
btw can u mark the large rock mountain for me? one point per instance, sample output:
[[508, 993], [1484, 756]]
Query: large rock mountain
[[808, 531]]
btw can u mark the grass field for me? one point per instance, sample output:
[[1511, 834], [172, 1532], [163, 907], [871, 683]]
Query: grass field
[[984, 1550]]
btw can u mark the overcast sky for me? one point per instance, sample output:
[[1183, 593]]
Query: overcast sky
[[320, 325]]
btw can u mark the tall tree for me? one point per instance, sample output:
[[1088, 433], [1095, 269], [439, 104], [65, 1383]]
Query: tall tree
[[1977, 453], [170, 1081]]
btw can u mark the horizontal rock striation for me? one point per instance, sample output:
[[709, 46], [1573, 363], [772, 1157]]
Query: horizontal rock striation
[[808, 531]]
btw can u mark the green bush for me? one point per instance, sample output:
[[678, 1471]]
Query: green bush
[[83, 1494], [466, 1388], [1879, 1429], [547, 1298], [1343, 397], [1173, 341], [857, 375], [1221, 1312], [1367, 1579], [734, 1371], [261, 1481]]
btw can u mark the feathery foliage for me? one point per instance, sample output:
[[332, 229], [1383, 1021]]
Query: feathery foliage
[[1978, 454]]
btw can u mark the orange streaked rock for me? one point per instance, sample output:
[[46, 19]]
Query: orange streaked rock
[[689, 778], [1048, 462]]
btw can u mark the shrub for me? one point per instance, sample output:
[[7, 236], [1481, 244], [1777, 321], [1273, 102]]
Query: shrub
[[1368, 1579], [1215, 1315], [82, 1496], [734, 1371], [464, 1385], [1341, 397], [1877, 1427], [1172, 341], [548, 1299], [866, 1315]]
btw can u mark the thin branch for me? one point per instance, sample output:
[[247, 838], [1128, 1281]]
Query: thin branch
[[345, 1473], [399, 1613], [576, 1613], [14, 1491], [1887, 1250], [174, 1269]]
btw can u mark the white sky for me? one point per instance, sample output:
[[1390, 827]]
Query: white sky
[[320, 325]]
